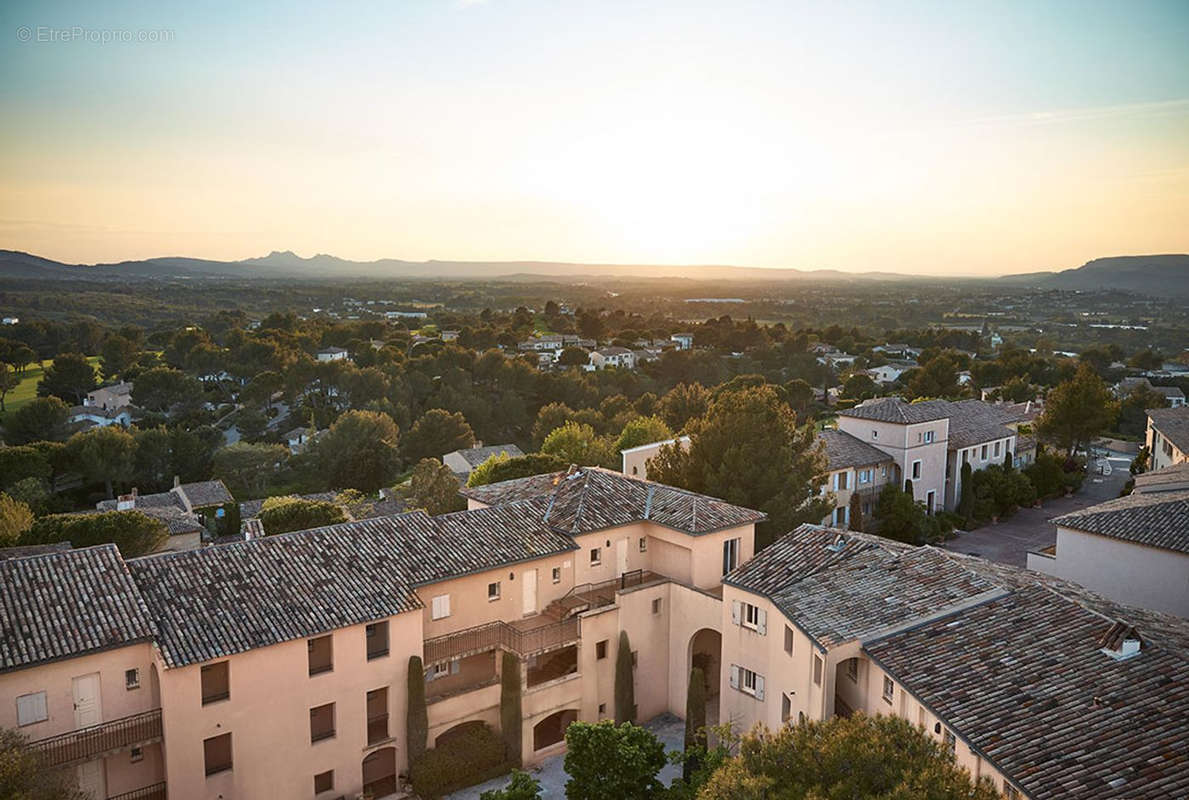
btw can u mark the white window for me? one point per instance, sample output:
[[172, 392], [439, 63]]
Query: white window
[[440, 607], [928, 436], [865, 476], [131, 679], [840, 480], [439, 670], [874, 434], [755, 618], [493, 591], [557, 574], [32, 708], [916, 470], [747, 681], [996, 449], [889, 689], [596, 556], [730, 555], [984, 453]]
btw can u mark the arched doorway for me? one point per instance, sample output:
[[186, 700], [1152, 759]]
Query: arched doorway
[[552, 729], [379, 772], [705, 652]]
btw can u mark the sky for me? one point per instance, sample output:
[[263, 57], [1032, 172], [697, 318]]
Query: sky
[[947, 138]]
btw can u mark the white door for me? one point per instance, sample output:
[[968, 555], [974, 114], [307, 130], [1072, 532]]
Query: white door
[[529, 581], [91, 779], [87, 707], [621, 557]]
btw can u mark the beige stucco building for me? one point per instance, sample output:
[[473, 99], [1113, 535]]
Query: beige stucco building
[[1167, 436], [279, 666]]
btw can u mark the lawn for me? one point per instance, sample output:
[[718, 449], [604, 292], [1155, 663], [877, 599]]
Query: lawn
[[26, 390]]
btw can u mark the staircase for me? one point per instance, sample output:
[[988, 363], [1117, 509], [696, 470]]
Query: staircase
[[557, 610]]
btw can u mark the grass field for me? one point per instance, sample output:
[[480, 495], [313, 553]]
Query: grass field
[[26, 390]]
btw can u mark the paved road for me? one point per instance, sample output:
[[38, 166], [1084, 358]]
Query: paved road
[[552, 773], [1009, 541]]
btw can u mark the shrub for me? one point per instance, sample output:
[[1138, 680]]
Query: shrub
[[496, 469], [471, 755], [522, 787], [134, 532], [285, 514]]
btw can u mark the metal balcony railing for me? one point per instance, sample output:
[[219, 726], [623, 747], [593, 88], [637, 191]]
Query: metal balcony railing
[[154, 792], [89, 743], [594, 595], [501, 635]]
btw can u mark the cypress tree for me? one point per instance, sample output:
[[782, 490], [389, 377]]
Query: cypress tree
[[966, 503], [908, 488], [510, 713], [417, 719], [625, 689], [1007, 465], [695, 721], [856, 512]]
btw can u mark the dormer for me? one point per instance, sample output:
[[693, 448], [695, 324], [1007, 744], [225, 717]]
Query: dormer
[[1121, 641]]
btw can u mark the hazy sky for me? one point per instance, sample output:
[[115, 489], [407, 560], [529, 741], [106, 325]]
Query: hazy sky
[[932, 137]]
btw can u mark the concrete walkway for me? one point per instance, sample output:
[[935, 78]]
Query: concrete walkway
[[552, 773], [1009, 541]]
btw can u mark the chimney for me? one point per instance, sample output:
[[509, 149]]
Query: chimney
[[1121, 641], [126, 502], [177, 481]]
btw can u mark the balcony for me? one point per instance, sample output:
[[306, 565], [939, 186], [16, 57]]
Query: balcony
[[154, 792], [100, 740], [595, 595], [525, 638]]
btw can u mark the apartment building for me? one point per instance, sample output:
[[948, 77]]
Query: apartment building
[[929, 441], [854, 467], [77, 671], [1167, 436], [1133, 549], [279, 666], [1041, 687]]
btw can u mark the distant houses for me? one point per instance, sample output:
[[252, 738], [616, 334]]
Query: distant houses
[[333, 354], [107, 405], [463, 462]]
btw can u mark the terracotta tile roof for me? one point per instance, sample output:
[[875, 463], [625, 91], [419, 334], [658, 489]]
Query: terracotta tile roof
[[1173, 423], [861, 589], [1155, 519], [1024, 680], [844, 450], [974, 422], [207, 493], [1011, 660], [1158, 480], [477, 455], [895, 409], [66, 604], [589, 499], [218, 601]]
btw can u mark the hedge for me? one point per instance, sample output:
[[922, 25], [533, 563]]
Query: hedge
[[462, 759]]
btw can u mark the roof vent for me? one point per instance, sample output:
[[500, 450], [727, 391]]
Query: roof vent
[[838, 544], [1121, 641]]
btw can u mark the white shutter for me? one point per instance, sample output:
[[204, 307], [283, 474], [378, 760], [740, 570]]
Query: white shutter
[[835, 481], [759, 687], [31, 708], [761, 622], [734, 677], [455, 665], [736, 612]]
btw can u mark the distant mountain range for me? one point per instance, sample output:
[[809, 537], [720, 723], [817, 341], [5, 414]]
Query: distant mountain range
[[1157, 274]]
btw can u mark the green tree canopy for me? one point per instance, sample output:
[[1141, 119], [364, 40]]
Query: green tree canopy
[[436, 433], [15, 519], [70, 377], [722, 461], [360, 451], [497, 468], [612, 762], [874, 758], [135, 533], [25, 776], [117, 355], [522, 787], [290, 513], [643, 430], [44, 419], [434, 488], [683, 403], [1077, 410], [248, 469], [160, 389], [9, 380], [577, 443], [106, 454]]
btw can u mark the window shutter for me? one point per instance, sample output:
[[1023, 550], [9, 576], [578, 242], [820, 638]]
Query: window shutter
[[736, 612], [759, 687], [455, 666], [761, 622], [31, 708], [835, 481], [734, 677]]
